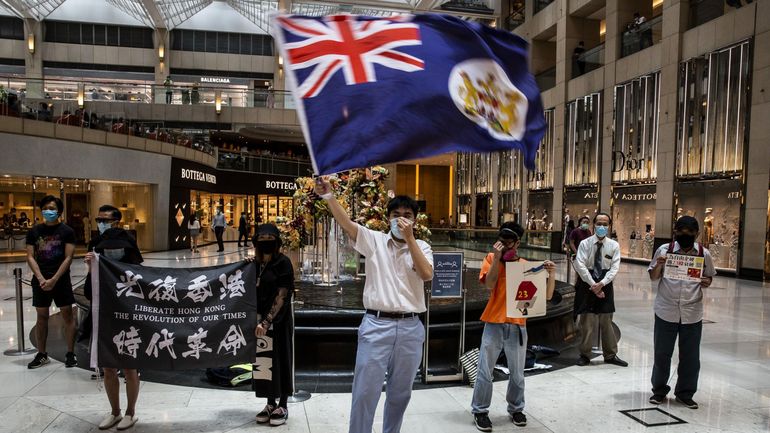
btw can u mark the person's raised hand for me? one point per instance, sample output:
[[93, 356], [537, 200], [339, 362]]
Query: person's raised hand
[[406, 227], [549, 266], [498, 248], [322, 186]]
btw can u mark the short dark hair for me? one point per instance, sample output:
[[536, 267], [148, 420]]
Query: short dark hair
[[605, 214], [116, 215], [580, 220], [403, 201], [48, 199], [513, 226]]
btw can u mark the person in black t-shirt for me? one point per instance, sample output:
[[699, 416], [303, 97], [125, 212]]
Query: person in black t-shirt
[[275, 289], [50, 248], [243, 230], [115, 243]]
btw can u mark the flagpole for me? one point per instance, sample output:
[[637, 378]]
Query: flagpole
[[299, 395]]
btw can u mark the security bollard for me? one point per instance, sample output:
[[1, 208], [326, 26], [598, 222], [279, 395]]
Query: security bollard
[[20, 350]]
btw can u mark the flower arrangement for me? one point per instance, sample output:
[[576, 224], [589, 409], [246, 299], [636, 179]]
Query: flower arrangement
[[361, 192]]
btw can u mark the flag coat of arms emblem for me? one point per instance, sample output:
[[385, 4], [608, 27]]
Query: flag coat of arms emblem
[[379, 90]]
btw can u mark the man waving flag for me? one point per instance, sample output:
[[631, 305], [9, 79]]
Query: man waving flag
[[378, 90]]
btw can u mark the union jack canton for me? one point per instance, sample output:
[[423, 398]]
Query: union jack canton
[[350, 44]]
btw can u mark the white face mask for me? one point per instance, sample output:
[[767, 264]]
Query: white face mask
[[394, 230]]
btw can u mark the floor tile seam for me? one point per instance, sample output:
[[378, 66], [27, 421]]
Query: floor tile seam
[[74, 415], [52, 371], [52, 421], [237, 427]]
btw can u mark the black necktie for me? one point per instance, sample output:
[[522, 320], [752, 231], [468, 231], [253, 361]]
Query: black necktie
[[597, 272]]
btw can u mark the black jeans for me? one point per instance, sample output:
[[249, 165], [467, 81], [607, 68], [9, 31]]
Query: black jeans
[[689, 357], [219, 231], [245, 236]]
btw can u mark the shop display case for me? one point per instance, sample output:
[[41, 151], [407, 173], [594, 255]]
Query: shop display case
[[717, 207]]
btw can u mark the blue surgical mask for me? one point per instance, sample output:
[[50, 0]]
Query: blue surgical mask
[[50, 215], [103, 227], [601, 231], [394, 230], [584, 226]]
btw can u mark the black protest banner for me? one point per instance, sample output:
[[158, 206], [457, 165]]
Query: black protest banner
[[262, 372], [172, 318]]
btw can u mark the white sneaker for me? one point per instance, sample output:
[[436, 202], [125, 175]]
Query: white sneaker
[[127, 422], [109, 421]]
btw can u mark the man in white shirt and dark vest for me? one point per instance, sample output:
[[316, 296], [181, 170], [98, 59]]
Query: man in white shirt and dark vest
[[391, 335], [679, 312], [597, 263]]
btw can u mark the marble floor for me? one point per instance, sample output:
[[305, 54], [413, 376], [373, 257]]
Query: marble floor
[[734, 392]]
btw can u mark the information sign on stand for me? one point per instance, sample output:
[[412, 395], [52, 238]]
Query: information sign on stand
[[448, 268], [447, 275]]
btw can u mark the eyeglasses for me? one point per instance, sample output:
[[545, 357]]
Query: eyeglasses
[[104, 220]]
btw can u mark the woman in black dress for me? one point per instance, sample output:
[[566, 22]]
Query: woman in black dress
[[275, 288]]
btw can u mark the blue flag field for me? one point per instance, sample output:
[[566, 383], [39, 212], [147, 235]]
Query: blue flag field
[[380, 90]]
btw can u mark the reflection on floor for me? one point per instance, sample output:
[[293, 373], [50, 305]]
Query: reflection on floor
[[734, 393]]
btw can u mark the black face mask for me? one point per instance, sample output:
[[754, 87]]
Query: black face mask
[[685, 241], [266, 247]]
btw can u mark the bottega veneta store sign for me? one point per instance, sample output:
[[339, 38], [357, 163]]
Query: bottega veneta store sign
[[280, 185], [196, 176], [199, 176], [625, 196]]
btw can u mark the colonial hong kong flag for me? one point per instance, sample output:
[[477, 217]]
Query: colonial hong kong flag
[[378, 90]]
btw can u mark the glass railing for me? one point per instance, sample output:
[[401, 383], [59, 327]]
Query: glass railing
[[546, 79], [144, 93], [541, 4], [535, 245], [270, 164], [637, 38], [63, 112], [588, 61]]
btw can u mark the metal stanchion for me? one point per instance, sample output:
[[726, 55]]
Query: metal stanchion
[[20, 350], [299, 395]]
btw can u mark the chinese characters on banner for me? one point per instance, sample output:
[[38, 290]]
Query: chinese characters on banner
[[683, 267], [173, 318], [525, 289]]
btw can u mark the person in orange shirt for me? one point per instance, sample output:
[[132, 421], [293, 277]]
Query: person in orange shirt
[[502, 332]]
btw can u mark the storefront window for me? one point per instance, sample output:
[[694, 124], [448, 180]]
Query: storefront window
[[717, 207], [204, 205], [633, 213], [635, 135], [711, 124], [579, 202], [271, 207], [542, 176], [582, 141], [464, 207], [539, 205], [464, 178], [509, 185], [19, 197]]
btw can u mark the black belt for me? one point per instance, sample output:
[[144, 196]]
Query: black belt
[[388, 315]]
